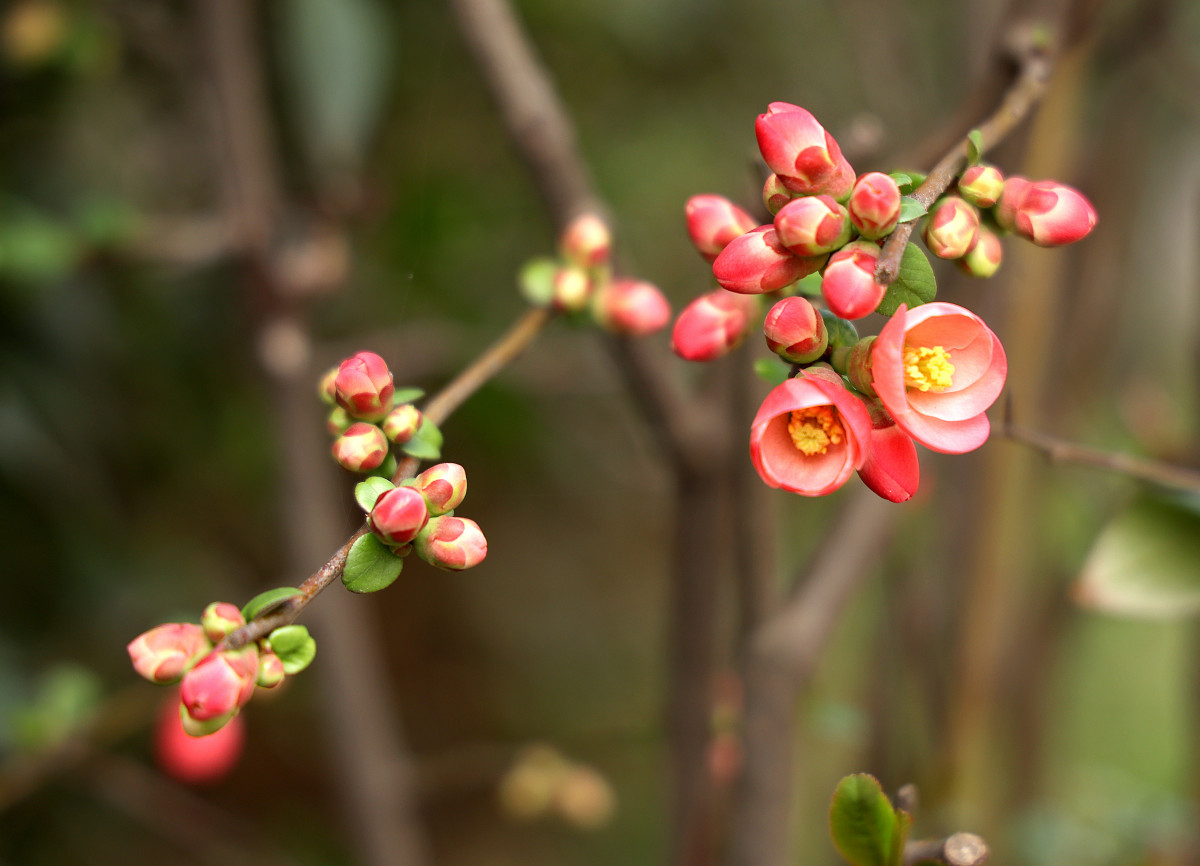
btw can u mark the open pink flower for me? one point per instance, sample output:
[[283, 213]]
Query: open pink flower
[[809, 436], [937, 368]]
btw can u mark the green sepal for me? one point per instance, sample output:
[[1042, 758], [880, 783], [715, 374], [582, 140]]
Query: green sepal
[[974, 146], [536, 280], [774, 373], [366, 492], [407, 395], [915, 284], [294, 646], [810, 285], [910, 209], [842, 333], [370, 565], [862, 822], [265, 601], [426, 443]]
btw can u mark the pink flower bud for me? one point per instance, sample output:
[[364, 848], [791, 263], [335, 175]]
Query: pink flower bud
[[165, 652], [775, 194], [1005, 213], [452, 543], [632, 307], [712, 325], [364, 386], [848, 284], [874, 205], [219, 684], [1052, 214], [444, 487], [812, 225], [795, 331], [586, 241], [327, 387], [983, 259], [361, 448], [338, 421], [270, 670], [981, 185], [951, 228], [571, 289], [402, 423], [757, 262], [219, 619], [713, 221], [195, 760], [801, 152], [892, 470], [398, 515]]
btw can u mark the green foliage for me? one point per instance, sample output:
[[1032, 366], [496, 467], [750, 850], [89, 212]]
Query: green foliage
[[408, 395], [536, 280], [907, 180], [294, 646], [911, 209], [865, 828], [772, 372], [974, 146], [265, 601], [426, 444], [915, 284], [842, 333], [366, 492], [370, 566], [810, 285], [66, 698]]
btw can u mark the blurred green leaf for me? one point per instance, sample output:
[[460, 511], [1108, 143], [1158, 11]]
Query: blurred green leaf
[[66, 698], [370, 566], [1145, 563], [914, 286], [35, 248], [366, 492], [911, 209], [862, 822], [974, 146], [426, 444], [810, 285], [772, 372], [408, 395], [264, 601], [294, 646], [536, 280]]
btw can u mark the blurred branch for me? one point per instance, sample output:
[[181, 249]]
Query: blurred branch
[[961, 849]]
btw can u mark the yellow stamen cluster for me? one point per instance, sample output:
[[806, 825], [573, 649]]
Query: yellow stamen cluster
[[927, 368], [814, 429]]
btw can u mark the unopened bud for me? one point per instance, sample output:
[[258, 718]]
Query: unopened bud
[[799, 150], [712, 325], [363, 386], [572, 289], [218, 685], [164, 653], [444, 487], [951, 228], [1005, 213], [757, 262], [402, 423], [981, 185], [892, 469], [327, 387], [191, 759], [452, 543], [584, 798], [586, 241], [775, 194], [362, 448], [983, 259], [848, 284], [874, 205], [270, 670], [1052, 214], [812, 225], [338, 421], [634, 308], [398, 515], [858, 366], [795, 331], [713, 221], [219, 619]]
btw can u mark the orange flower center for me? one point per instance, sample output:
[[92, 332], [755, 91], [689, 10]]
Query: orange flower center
[[814, 429], [927, 368]]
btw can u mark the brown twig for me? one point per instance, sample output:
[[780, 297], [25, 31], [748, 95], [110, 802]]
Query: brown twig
[[1033, 63], [961, 849]]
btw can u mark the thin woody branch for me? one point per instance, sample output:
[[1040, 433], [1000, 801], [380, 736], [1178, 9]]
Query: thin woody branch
[[960, 849]]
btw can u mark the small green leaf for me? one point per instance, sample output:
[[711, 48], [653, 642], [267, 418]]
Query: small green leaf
[[366, 492], [902, 178], [265, 601], [407, 395], [370, 566], [862, 822], [294, 646], [914, 286], [911, 209], [774, 373], [974, 146], [536, 280], [1143, 564], [842, 333], [907, 180], [810, 285], [900, 837], [426, 444]]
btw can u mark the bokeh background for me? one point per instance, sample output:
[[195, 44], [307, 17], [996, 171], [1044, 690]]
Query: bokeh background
[[164, 286]]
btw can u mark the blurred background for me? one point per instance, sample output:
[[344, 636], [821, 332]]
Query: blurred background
[[203, 205]]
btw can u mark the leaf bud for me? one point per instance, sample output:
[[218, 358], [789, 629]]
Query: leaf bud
[[795, 331], [361, 448]]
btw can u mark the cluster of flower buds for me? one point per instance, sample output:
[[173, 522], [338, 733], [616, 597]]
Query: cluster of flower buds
[[581, 282], [542, 782], [419, 515], [369, 416], [932, 372], [216, 682]]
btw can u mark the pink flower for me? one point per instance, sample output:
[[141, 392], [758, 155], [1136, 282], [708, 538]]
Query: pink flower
[[937, 368], [363, 386], [452, 543], [165, 652], [713, 221], [195, 760], [798, 149], [712, 325], [809, 435], [892, 470], [632, 307], [756, 263], [398, 515]]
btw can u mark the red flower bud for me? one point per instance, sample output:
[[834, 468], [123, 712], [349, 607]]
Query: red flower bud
[[874, 205], [398, 515], [195, 760], [892, 470], [712, 325], [361, 448], [713, 221], [338, 421], [951, 228], [795, 331], [848, 284], [327, 387], [452, 543], [801, 152], [270, 670], [586, 241], [402, 423], [219, 619], [775, 194], [812, 225], [363, 386], [757, 262], [1052, 214], [444, 487], [165, 652], [981, 185], [219, 685], [1005, 213], [632, 307], [983, 259]]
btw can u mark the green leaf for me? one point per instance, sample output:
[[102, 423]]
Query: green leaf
[[810, 285], [914, 286], [903, 825], [974, 146], [366, 492], [1144, 563], [774, 373], [426, 444], [907, 180], [407, 395], [842, 333], [862, 822], [911, 209], [294, 646], [536, 280], [265, 601], [370, 566]]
